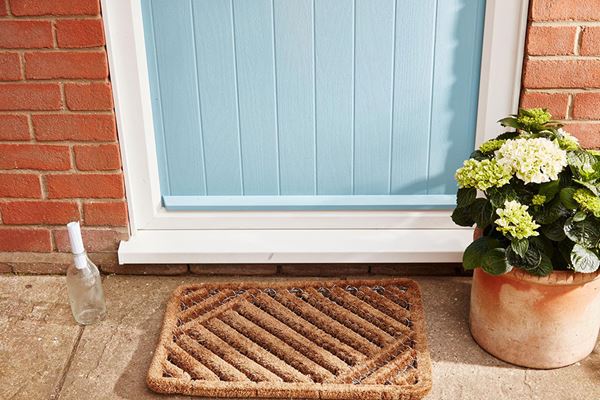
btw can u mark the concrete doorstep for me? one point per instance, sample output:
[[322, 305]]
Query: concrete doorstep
[[45, 355]]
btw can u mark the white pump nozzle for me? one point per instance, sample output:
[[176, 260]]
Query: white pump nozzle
[[77, 244]]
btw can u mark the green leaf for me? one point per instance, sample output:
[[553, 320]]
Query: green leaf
[[520, 246], [530, 260], [463, 216], [510, 122], [549, 189], [478, 155], [566, 198], [565, 247], [579, 216], [483, 212], [494, 262], [507, 135], [465, 196], [554, 231], [544, 267], [584, 260], [551, 212], [498, 196], [474, 252], [545, 246], [585, 233]]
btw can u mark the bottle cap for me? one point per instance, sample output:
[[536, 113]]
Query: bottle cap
[[75, 238]]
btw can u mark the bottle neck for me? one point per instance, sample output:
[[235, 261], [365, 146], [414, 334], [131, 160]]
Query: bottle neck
[[80, 260]]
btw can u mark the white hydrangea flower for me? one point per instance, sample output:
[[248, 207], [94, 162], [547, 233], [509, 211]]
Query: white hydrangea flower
[[536, 160]]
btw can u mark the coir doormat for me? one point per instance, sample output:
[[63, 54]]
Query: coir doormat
[[351, 339]]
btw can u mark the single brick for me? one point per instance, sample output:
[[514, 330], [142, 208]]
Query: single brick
[[565, 10], [324, 269], [93, 186], [81, 127], [97, 240], [546, 74], [446, 269], [103, 157], [144, 269], [233, 269], [25, 239], [14, 127], [551, 40], [590, 41], [10, 67], [20, 185], [35, 156], [40, 268], [16, 34], [56, 65], [30, 96], [89, 96], [72, 33], [105, 214], [55, 7], [556, 103], [587, 133], [39, 263], [586, 106], [3, 9], [39, 212]]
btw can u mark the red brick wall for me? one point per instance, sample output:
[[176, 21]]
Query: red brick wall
[[59, 156], [562, 64]]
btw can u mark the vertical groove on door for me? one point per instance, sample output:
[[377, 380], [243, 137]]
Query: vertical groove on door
[[353, 96], [393, 84], [276, 103], [237, 98], [429, 131], [199, 105], [315, 131]]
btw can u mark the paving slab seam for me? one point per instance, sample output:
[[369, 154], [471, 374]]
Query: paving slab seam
[[63, 376]]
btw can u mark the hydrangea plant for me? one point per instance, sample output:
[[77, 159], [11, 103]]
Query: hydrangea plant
[[535, 195]]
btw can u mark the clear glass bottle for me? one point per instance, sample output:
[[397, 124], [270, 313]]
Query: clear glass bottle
[[84, 283]]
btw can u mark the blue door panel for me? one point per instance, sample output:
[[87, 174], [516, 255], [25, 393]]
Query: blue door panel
[[312, 104]]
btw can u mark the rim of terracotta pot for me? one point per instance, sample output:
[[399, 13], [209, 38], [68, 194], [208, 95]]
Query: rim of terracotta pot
[[555, 278]]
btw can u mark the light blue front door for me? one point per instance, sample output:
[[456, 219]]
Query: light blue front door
[[312, 104]]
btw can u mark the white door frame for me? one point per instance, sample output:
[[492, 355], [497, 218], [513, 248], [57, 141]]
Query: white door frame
[[154, 230]]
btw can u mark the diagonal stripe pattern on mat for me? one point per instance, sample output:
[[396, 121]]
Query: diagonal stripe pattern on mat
[[304, 339]]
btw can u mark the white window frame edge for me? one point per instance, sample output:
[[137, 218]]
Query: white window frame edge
[[151, 225]]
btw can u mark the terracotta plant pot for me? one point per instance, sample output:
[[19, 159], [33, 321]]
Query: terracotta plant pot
[[536, 322]]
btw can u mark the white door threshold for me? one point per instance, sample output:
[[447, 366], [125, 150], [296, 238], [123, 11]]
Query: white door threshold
[[295, 246]]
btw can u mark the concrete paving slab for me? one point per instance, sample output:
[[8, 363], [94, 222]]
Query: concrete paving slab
[[37, 336]]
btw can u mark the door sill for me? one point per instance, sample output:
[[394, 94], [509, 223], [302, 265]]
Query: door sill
[[295, 246]]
